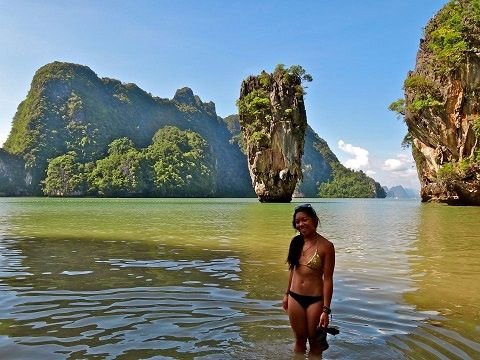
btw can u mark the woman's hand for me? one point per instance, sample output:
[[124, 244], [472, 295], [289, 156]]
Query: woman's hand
[[324, 320], [285, 302]]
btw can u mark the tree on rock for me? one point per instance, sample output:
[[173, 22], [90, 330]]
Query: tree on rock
[[65, 176]]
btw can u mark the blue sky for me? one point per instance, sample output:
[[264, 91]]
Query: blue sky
[[358, 53]]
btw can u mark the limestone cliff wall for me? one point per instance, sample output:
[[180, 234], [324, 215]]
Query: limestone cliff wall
[[273, 122], [14, 180], [442, 106]]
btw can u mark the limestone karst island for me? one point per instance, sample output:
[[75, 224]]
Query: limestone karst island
[[442, 106], [273, 121]]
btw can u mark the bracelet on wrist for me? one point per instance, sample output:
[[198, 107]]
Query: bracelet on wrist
[[327, 310]]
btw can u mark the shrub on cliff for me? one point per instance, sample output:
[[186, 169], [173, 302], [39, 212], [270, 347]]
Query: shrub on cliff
[[447, 35]]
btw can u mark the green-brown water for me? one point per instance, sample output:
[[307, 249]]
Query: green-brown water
[[203, 279]]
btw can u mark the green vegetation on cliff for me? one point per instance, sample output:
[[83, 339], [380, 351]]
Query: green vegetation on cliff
[[176, 163], [448, 35], [255, 109], [121, 173], [65, 176], [181, 163], [257, 105], [427, 95]]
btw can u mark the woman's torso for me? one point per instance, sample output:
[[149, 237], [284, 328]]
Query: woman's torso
[[308, 275]]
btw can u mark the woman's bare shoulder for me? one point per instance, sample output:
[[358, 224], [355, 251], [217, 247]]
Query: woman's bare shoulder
[[327, 244]]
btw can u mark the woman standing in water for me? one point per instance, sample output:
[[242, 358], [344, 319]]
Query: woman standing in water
[[311, 260]]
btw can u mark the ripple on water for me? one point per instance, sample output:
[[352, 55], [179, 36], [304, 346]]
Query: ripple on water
[[196, 317], [114, 322]]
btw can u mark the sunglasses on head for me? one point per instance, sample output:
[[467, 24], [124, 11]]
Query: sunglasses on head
[[303, 206]]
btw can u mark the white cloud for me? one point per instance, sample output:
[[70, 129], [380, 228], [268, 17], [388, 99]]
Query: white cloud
[[399, 171], [395, 165], [401, 164], [360, 156]]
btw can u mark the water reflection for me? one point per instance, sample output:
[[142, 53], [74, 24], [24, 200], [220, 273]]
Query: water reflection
[[446, 272]]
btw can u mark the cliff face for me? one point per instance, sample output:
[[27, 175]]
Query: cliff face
[[442, 106], [316, 164], [273, 122], [14, 180]]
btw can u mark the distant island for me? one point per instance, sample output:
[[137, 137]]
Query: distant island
[[399, 192], [76, 134]]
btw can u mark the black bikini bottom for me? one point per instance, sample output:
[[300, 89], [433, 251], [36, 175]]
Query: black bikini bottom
[[304, 300]]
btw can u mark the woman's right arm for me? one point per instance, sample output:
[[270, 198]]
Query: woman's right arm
[[285, 296]]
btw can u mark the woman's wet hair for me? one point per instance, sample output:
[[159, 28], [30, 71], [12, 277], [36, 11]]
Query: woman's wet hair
[[296, 245]]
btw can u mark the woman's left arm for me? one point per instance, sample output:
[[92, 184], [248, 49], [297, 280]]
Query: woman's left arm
[[328, 268], [285, 296]]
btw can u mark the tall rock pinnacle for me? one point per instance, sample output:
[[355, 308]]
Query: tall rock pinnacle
[[273, 122]]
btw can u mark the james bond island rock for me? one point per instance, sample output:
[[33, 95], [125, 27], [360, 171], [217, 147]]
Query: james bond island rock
[[273, 122], [442, 106]]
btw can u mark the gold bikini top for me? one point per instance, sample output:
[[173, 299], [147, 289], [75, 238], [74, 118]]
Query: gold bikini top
[[315, 262]]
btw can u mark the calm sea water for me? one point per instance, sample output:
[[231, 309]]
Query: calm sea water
[[204, 278]]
